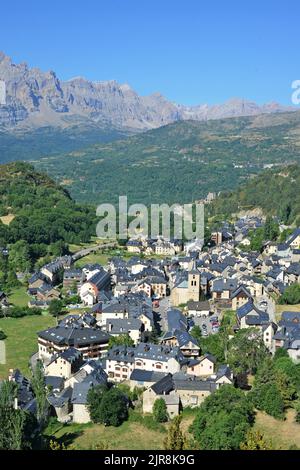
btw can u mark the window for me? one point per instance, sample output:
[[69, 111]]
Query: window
[[194, 399]]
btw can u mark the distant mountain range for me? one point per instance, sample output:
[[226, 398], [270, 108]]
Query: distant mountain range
[[36, 99]]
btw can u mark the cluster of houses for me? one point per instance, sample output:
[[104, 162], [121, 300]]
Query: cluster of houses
[[91, 283], [150, 246], [237, 231], [76, 357], [123, 299]]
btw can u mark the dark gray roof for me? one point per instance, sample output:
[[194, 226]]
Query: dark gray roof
[[290, 317], [193, 383], [164, 385], [80, 393], [73, 274], [183, 381], [121, 353], [100, 279], [59, 400], [71, 355], [140, 375], [241, 289], [158, 352], [56, 383], [294, 235], [176, 320], [74, 336], [220, 285], [120, 325], [145, 350]]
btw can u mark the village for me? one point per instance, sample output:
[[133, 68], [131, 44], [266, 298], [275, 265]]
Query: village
[[152, 303]]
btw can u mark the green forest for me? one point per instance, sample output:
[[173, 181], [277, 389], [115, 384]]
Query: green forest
[[276, 192], [39, 213], [177, 163]]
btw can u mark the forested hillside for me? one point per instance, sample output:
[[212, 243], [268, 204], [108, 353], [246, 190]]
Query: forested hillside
[[35, 209], [180, 162], [276, 192], [30, 144]]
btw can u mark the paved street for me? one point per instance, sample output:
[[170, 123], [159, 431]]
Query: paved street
[[270, 308], [161, 312], [164, 305], [92, 249]]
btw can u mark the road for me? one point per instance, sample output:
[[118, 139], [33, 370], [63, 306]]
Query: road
[[270, 308], [161, 312], [92, 249]]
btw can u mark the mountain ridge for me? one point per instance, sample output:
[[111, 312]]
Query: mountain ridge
[[179, 162], [36, 99]]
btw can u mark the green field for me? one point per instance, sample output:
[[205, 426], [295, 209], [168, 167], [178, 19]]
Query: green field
[[19, 297], [138, 433], [102, 257], [21, 340], [283, 434]]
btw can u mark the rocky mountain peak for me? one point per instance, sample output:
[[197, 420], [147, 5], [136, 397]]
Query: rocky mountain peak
[[36, 98]]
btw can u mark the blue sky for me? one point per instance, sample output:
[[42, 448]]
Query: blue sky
[[192, 51]]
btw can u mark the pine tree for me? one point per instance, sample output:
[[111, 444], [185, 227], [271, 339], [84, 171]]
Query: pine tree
[[256, 441], [40, 391], [175, 439], [160, 411]]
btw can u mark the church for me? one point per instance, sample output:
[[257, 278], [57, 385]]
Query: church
[[187, 289]]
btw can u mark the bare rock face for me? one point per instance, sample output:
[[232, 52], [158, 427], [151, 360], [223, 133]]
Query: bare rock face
[[35, 98]]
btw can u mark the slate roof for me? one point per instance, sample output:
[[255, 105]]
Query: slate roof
[[121, 353], [140, 375], [100, 279], [71, 355], [59, 400], [290, 317], [183, 338], [73, 274], [224, 369], [294, 268], [239, 290], [74, 336], [158, 352], [292, 237], [164, 385], [221, 285], [120, 325], [253, 315], [176, 320], [190, 382], [54, 382], [80, 393]]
